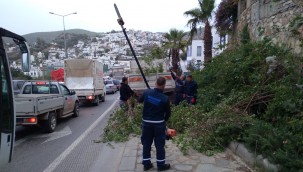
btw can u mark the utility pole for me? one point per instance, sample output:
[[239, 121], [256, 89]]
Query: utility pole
[[65, 49]]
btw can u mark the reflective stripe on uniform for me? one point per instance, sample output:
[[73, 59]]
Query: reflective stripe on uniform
[[147, 159], [155, 122], [160, 160]]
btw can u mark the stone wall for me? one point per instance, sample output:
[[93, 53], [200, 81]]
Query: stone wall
[[272, 18]]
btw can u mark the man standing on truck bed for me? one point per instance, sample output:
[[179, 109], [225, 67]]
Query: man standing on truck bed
[[156, 112], [179, 89], [125, 93]]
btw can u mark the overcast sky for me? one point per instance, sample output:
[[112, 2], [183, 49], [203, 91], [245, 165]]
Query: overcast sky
[[28, 16]]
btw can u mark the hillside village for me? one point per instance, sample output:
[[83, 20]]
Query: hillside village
[[109, 48]]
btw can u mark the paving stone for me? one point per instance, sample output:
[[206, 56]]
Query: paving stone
[[191, 162], [130, 152], [209, 168], [194, 157], [182, 159], [128, 163], [207, 160], [183, 167], [222, 163]]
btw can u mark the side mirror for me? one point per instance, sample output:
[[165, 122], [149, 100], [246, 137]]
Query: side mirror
[[72, 92], [25, 55]]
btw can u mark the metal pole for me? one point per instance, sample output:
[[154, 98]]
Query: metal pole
[[66, 55], [65, 48], [121, 23]]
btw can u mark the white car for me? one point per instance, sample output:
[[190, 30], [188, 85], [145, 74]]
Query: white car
[[110, 87]]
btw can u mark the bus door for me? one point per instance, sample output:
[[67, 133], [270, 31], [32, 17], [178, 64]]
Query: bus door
[[7, 116]]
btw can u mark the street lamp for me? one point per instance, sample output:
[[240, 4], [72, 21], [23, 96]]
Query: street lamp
[[64, 29]]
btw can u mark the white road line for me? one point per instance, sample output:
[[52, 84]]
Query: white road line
[[64, 154]]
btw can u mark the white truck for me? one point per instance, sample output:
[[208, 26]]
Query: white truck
[[85, 76], [42, 102], [136, 82]]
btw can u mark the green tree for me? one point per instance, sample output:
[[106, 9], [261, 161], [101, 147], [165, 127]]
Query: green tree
[[176, 42], [40, 45], [200, 15], [18, 74]]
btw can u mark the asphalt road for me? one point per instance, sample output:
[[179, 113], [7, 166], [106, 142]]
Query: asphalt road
[[74, 145]]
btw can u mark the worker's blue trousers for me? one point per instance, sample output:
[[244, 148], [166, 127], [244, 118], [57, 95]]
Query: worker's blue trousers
[[153, 132]]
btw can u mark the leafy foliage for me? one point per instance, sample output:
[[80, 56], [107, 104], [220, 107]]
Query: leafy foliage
[[119, 126], [243, 96], [242, 81], [226, 16], [18, 74]]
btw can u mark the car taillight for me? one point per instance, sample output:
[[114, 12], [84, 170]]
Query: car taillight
[[31, 120], [90, 97]]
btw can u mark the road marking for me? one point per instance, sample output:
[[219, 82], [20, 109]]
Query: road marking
[[52, 136], [64, 154], [56, 135]]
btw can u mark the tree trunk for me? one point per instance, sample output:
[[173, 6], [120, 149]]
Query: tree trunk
[[175, 60], [208, 43]]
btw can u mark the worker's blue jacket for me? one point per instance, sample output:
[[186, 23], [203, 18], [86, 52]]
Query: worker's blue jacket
[[156, 106], [191, 88]]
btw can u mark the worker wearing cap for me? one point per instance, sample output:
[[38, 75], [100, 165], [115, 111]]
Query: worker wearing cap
[[156, 112]]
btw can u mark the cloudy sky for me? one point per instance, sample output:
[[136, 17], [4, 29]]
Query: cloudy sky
[[28, 16]]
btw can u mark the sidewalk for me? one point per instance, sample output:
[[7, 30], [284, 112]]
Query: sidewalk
[[127, 157]]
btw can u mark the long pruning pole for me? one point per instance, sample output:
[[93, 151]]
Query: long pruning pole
[[121, 23]]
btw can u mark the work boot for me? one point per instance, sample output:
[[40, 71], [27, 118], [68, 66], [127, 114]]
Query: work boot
[[164, 167], [147, 167]]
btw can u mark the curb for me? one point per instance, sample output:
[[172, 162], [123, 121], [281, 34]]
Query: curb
[[252, 160]]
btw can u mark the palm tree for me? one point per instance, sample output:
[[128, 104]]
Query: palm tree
[[175, 42], [198, 16]]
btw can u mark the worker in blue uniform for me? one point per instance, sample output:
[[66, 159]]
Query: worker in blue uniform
[[156, 112], [179, 88], [190, 90]]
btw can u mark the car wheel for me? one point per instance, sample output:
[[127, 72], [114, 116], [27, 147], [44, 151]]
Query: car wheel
[[97, 101], [103, 98], [76, 110], [51, 123]]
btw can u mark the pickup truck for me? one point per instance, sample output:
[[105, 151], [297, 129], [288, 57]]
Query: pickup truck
[[42, 102], [137, 84]]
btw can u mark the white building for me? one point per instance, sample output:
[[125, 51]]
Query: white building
[[195, 50]]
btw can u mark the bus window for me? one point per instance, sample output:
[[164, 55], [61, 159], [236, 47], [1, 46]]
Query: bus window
[[5, 114]]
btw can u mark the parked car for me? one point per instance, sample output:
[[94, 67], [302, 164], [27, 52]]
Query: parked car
[[117, 83], [110, 87], [43, 102]]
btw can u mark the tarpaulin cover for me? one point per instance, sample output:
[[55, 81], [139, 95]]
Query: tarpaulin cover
[[58, 75]]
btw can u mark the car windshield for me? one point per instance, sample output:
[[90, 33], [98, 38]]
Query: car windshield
[[116, 82], [108, 82]]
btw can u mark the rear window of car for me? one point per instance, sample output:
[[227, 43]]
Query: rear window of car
[[108, 82], [40, 89]]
